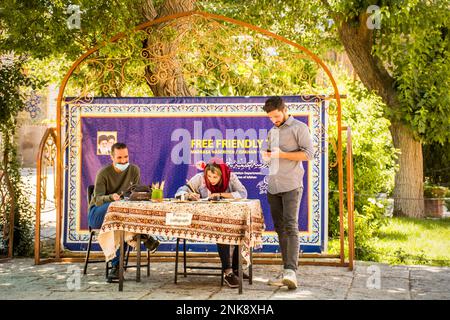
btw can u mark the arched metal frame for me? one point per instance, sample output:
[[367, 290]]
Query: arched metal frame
[[340, 128], [45, 153]]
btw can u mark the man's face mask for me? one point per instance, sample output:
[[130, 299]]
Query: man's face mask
[[122, 166]]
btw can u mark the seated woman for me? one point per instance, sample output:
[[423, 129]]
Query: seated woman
[[217, 181]]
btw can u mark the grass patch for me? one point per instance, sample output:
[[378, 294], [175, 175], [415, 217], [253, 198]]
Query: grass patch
[[410, 241]]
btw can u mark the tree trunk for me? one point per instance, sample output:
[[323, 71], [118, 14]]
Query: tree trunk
[[166, 77], [408, 191]]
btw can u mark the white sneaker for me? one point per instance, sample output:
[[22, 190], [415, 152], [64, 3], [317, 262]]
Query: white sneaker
[[276, 281], [289, 279]]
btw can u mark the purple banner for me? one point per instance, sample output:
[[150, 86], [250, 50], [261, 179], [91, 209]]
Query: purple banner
[[158, 145], [166, 137]]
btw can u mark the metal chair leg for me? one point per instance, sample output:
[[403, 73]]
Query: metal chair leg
[[128, 256], [138, 258], [184, 258], [250, 271], [88, 250], [176, 260], [148, 263], [240, 269], [107, 269]]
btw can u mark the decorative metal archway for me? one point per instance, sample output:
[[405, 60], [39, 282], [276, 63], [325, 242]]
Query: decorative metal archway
[[114, 72]]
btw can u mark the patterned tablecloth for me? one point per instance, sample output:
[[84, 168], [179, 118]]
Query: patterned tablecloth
[[229, 222]]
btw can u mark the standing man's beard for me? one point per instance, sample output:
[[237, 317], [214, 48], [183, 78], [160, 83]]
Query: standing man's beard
[[282, 122]]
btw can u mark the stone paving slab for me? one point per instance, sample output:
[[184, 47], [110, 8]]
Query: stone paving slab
[[21, 279]]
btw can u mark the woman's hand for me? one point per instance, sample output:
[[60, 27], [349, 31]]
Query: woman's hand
[[193, 196]]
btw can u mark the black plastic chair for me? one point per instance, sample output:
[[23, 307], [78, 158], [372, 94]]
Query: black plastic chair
[[93, 232]]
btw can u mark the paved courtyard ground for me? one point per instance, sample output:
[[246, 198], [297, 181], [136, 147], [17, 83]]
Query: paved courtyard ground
[[21, 279]]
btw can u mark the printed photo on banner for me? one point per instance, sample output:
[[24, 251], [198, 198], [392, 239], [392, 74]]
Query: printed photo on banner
[[105, 140]]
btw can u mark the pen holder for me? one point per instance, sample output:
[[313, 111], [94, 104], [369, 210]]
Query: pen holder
[[157, 195]]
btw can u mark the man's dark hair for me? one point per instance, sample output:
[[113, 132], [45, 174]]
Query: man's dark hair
[[111, 137], [102, 138], [274, 103], [118, 146]]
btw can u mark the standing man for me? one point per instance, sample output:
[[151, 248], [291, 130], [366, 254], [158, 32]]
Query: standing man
[[110, 183], [289, 143]]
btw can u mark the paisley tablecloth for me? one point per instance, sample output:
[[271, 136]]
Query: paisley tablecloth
[[229, 222]]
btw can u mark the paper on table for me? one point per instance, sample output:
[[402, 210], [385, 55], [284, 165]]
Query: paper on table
[[178, 218]]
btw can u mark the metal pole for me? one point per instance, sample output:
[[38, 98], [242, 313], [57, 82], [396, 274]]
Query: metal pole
[[122, 239], [350, 200]]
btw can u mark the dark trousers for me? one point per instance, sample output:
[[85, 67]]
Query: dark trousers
[[284, 209], [228, 256], [95, 220]]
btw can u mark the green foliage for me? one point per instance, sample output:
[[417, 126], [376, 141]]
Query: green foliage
[[14, 83], [399, 256], [373, 152], [373, 163], [409, 241], [12, 100], [422, 258], [414, 43], [305, 22], [413, 241], [436, 163], [433, 191], [256, 66], [367, 228], [41, 28], [24, 212]]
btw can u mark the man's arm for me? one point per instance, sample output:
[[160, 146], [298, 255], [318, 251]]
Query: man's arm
[[100, 196], [295, 156], [305, 143]]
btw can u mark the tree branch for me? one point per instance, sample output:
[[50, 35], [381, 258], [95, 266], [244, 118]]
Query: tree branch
[[358, 43]]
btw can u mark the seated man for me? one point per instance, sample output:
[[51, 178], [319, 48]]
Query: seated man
[[110, 183]]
